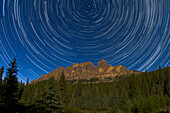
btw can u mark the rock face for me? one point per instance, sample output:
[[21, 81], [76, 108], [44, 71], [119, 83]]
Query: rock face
[[87, 71]]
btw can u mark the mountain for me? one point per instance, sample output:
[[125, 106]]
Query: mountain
[[87, 71]]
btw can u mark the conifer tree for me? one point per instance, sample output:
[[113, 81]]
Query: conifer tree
[[86, 101], [1, 74], [127, 107], [50, 99], [135, 107], [162, 80], [21, 89], [167, 86], [11, 85], [159, 68], [162, 101], [1, 83], [114, 97], [63, 88], [96, 96], [78, 90], [27, 81], [133, 86], [123, 99], [145, 88], [103, 97], [76, 95]]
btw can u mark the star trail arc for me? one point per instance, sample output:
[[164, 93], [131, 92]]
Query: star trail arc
[[45, 34]]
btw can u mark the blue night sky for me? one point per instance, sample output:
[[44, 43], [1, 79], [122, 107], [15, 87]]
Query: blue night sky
[[45, 34]]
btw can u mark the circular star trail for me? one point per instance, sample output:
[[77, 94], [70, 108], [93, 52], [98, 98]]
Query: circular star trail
[[45, 34]]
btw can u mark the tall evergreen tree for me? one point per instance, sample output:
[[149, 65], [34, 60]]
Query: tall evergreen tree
[[50, 99], [76, 95], [114, 97], [86, 100], [27, 81], [162, 80], [63, 88], [136, 107], [145, 88], [123, 99], [159, 68], [78, 90], [167, 86], [1, 84], [162, 101], [11, 84], [21, 89], [133, 86], [96, 97], [1, 74]]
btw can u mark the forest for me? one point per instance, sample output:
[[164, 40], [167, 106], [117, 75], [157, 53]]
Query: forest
[[148, 92]]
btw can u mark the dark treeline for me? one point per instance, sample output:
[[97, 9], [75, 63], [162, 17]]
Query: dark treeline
[[10, 90], [147, 92]]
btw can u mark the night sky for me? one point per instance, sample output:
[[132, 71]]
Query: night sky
[[45, 34]]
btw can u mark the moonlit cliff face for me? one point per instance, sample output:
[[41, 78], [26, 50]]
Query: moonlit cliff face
[[87, 71], [45, 34]]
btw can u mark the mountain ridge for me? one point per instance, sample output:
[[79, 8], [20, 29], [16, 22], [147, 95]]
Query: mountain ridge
[[87, 71]]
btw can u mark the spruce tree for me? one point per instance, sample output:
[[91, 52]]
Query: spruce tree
[[123, 99], [76, 95], [27, 81], [162, 101], [63, 88], [96, 96], [114, 97], [11, 85], [21, 89], [1, 74], [50, 99], [86, 101], [145, 88], [167, 86], [78, 90], [136, 107], [133, 86], [1, 83]]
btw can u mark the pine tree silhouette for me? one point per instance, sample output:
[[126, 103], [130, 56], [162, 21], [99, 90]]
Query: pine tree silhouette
[[11, 86], [63, 88], [50, 100], [1, 83]]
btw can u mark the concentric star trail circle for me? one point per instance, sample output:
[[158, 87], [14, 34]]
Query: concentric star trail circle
[[45, 34]]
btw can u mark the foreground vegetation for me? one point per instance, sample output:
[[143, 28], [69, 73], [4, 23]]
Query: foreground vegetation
[[147, 92]]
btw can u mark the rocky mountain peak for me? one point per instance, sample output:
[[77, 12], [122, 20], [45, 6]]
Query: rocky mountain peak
[[89, 63], [87, 71], [75, 65], [60, 67], [102, 63], [102, 66]]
